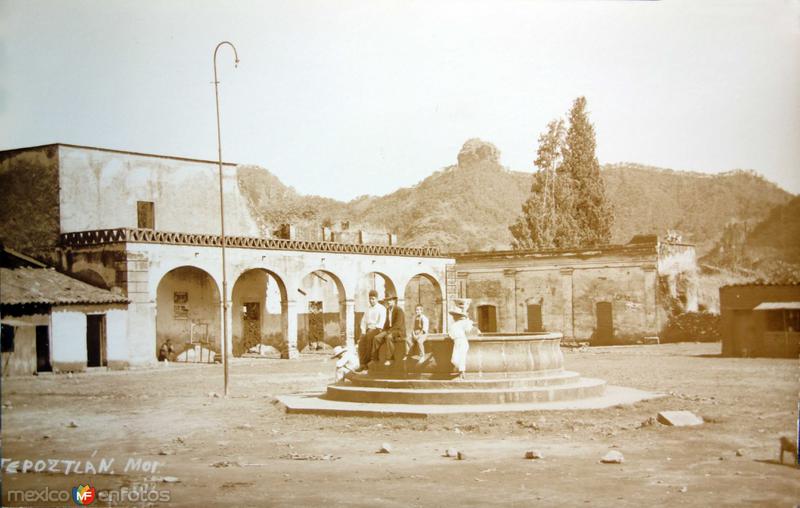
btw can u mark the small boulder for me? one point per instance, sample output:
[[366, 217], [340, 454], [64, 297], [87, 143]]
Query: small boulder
[[385, 448], [461, 456], [450, 452], [679, 418], [613, 457], [72, 424], [533, 454]]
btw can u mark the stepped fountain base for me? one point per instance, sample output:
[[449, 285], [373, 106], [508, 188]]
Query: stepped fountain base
[[505, 372]]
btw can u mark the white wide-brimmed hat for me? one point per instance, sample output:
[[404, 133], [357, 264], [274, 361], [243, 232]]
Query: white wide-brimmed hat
[[338, 351], [459, 307]]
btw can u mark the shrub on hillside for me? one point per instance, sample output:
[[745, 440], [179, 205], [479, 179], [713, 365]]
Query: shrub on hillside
[[692, 327]]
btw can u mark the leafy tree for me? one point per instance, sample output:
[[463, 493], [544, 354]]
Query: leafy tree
[[545, 222], [567, 205]]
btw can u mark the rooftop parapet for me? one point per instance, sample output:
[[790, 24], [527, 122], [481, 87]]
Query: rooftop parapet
[[131, 235]]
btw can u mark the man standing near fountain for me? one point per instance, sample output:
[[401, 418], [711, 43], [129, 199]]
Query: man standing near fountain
[[371, 325], [458, 332]]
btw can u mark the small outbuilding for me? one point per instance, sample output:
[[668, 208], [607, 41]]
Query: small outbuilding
[[760, 320], [52, 322]]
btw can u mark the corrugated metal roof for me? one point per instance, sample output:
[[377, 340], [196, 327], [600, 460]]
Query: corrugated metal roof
[[47, 286], [777, 305]]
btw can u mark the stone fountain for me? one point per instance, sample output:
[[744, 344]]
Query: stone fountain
[[504, 372], [501, 368]]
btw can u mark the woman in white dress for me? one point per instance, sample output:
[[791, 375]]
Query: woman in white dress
[[458, 332]]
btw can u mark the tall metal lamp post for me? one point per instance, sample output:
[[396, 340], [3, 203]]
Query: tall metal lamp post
[[222, 218]]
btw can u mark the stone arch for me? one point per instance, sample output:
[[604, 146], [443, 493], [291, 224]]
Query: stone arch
[[259, 317], [321, 310], [188, 311], [425, 290]]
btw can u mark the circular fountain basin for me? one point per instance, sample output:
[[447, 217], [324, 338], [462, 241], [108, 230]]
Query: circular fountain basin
[[501, 368]]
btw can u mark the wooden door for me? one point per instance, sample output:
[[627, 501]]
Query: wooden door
[[535, 318], [605, 323]]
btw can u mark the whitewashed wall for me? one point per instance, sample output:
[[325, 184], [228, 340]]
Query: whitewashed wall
[[99, 190]]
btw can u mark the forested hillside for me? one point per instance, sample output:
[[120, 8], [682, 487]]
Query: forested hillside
[[469, 205]]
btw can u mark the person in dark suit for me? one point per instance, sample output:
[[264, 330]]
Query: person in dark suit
[[394, 331]]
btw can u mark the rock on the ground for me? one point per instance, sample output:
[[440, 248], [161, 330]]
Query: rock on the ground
[[450, 452], [385, 448], [533, 454], [647, 423], [740, 453], [264, 350], [461, 456], [613, 457], [163, 479], [679, 418], [72, 424]]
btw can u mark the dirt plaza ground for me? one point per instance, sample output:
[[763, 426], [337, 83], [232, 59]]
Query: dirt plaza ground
[[245, 451]]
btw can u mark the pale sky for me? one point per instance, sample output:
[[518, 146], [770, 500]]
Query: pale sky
[[343, 98]]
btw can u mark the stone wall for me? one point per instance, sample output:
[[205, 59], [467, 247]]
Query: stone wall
[[567, 287], [29, 222]]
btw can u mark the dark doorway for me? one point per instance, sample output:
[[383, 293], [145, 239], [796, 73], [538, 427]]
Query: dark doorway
[[43, 349], [96, 340], [316, 326], [605, 323], [744, 333], [251, 324], [535, 318], [487, 318]]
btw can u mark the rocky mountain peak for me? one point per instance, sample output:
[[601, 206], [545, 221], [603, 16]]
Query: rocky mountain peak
[[476, 151]]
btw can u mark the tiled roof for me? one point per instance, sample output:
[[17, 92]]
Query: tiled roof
[[761, 284], [47, 286]]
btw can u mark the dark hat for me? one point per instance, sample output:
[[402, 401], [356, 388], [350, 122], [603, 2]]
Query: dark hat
[[390, 297]]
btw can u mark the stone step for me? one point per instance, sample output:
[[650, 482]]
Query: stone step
[[558, 378], [582, 388]]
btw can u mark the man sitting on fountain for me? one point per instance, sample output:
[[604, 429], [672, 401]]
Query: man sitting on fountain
[[458, 332], [371, 325], [394, 330]]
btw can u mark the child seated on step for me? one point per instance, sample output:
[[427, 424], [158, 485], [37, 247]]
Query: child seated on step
[[346, 362]]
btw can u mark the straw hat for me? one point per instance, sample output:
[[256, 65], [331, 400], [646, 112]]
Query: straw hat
[[459, 307]]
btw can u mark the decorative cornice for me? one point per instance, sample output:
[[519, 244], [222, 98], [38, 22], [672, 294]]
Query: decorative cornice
[[131, 235]]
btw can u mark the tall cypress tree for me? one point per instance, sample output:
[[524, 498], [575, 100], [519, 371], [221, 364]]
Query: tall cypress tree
[[567, 206], [592, 211]]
